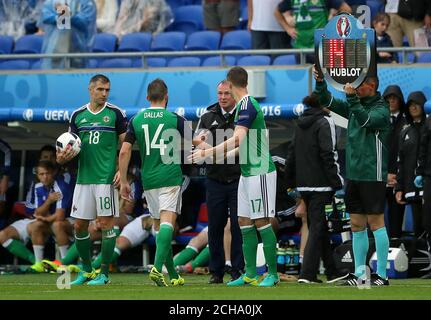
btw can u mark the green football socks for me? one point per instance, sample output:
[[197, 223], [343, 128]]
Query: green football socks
[[185, 256], [249, 248], [202, 259], [108, 245], [17, 248], [269, 247], [163, 245], [83, 244], [71, 256]]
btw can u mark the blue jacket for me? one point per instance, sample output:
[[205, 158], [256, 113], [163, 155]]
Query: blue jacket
[[78, 38]]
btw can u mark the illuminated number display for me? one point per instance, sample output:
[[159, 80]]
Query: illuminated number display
[[344, 53]]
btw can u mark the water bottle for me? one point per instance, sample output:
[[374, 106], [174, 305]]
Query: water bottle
[[329, 210], [281, 258]]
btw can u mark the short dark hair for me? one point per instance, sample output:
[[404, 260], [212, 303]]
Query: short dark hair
[[373, 79], [238, 77], [381, 16], [48, 165], [312, 101], [99, 77], [48, 147], [157, 90]]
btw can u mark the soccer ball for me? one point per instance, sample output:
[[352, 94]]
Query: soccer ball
[[71, 139]]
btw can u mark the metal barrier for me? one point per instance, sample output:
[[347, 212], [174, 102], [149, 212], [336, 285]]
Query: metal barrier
[[222, 53]]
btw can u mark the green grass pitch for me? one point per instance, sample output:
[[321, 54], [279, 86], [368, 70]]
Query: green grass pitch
[[139, 287]]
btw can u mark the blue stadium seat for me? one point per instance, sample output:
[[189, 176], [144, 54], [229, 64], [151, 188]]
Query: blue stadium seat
[[376, 6], [424, 57], [20, 64], [287, 59], [105, 42], [134, 42], [29, 44], [254, 61], [116, 63], [185, 62], [216, 61], [169, 41], [236, 40], [203, 40], [243, 18], [187, 19], [6, 44], [37, 65], [156, 62]]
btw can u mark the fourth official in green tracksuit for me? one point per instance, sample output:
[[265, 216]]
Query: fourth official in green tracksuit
[[366, 169]]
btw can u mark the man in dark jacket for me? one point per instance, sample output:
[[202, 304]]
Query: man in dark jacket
[[423, 180], [313, 169], [222, 186], [366, 170], [410, 138], [407, 16], [394, 97]]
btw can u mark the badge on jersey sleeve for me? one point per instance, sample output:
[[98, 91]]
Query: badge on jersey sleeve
[[345, 51]]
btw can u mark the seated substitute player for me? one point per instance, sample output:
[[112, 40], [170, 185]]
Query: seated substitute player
[[128, 210], [257, 185], [52, 198], [158, 133], [101, 126]]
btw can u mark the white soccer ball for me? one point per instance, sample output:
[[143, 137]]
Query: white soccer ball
[[71, 139]]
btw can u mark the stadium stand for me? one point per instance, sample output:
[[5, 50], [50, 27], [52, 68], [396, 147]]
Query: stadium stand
[[216, 61], [29, 44], [236, 40], [103, 42], [203, 40], [185, 62], [424, 57], [187, 19], [15, 65], [376, 6], [133, 42], [156, 62], [169, 41], [254, 61], [6, 44], [243, 18], [287, 59]]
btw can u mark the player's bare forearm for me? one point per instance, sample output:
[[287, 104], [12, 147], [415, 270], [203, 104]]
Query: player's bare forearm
[[121, 139], [123, 161], [233, 142], [59, 215], [43, 210]]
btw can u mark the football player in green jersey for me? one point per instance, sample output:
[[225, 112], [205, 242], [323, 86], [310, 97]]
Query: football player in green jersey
[[101, 126], [157, 132], [257, 184]]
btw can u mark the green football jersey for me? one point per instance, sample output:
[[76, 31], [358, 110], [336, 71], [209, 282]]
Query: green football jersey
[[309, 16], [99, 142], [158, 133], [254, 155]]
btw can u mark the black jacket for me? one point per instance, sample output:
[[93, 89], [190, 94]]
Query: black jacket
[[311, 164], [212, 120], [414, 9], [407, 159], [396, 128]]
